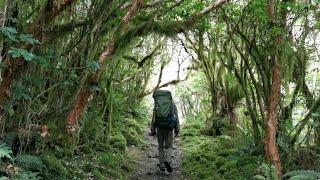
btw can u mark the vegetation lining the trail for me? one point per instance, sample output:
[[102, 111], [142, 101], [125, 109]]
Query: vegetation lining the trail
[[98, 158], [74, 75], [214, 148], [229, 157], [223, 157]]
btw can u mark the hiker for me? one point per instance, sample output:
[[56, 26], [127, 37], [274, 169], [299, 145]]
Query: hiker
[[164, 121]]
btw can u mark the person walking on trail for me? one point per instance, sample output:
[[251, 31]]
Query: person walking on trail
[[164, 122]]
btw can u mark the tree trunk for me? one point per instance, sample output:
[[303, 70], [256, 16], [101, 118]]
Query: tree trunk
[[234, 120], [214, 101], [317, 133], [271, 149], [83, 96]]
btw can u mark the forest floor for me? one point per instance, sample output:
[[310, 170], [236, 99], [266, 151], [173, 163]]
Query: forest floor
[[146, 159]]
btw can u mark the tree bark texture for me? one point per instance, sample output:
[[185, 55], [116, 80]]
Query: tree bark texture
[[271, 149], [84, 93]]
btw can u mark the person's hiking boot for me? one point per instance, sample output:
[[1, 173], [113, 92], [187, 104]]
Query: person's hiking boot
[[168, 166]]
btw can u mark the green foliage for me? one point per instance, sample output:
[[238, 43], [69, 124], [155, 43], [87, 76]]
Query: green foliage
[[94, 66], [131, 136], [96, 173], [5, 151], [267, 172], [54, 165], [21, 92], [29, 162], [215, 125], [16, 53], [28, 39], [111, 161], [217, 158], [302, 174], [232, 89], [27, 175], [12, 34], [192, 127], [43, 91], [119, 142], [9, 32]]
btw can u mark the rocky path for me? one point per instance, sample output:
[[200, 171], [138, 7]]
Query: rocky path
[[147, 160]]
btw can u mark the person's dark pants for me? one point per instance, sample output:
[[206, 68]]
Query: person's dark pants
[[165, 137]]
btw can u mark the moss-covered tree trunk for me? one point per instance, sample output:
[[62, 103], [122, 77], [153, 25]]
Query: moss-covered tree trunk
[[14, 68], [83, 96]]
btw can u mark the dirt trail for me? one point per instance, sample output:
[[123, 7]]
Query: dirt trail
[[147, 161]]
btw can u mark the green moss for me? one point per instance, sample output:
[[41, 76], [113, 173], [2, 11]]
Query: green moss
[[131, 136], [135, 125], [223, 157], [118, 142], [169, 28]]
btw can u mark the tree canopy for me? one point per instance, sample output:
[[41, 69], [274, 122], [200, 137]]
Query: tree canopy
[[76, 78]]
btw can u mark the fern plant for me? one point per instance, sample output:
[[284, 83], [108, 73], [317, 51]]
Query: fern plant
[[26, 175], [29, 162], [268, 172], [5, 151], [302, 175]]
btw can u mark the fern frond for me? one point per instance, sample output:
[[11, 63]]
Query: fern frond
[[301, 177], [258, 177], [29, 162], [5, 151], [27, 175], [306, 174]]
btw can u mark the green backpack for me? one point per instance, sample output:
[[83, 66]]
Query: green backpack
[[163, 107]]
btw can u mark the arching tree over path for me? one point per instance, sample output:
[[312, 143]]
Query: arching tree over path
[[83, 96]]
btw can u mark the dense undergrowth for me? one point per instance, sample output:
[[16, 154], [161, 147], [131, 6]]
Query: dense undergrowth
[[73, 75], [96, 155], [222, 157], [234, 156]]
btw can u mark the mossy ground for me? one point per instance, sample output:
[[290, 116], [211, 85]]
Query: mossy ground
[[223, 157], [94, 154], [114, 161]]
